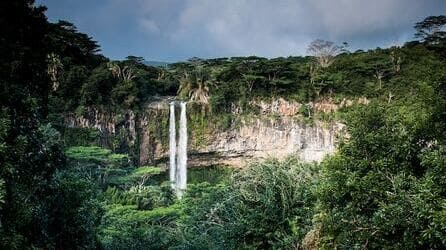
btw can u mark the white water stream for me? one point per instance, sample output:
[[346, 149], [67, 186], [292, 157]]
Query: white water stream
[[172, 146], [178, 165]]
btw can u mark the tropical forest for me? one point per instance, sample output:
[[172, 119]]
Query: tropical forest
[[341, 146]]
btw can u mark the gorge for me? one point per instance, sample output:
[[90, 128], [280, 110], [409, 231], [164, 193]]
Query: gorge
[[340, 148], [279, 130]]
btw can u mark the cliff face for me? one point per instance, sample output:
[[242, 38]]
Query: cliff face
[[275, 138], [276, 132], [143, 136]]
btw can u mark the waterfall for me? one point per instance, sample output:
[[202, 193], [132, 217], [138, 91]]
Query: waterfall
[[181, 180], [178, 155], [172, 146]]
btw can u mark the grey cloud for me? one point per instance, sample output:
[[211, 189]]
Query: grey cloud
[[212, 28], [284, 27]]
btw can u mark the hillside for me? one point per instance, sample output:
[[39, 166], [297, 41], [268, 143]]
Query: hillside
[[156, 64]]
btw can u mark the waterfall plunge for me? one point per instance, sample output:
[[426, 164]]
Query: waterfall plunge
[[182, 152], [172, 146], [178, 167]]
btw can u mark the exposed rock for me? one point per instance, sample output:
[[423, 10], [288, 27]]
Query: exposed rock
[[278, 106], [280, 138], [285, 134], [92, 118], [284, 107]]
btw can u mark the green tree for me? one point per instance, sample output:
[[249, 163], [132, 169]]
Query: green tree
[[378, 191], [97, 88], [30, 150], [267, 205], [432, 29]]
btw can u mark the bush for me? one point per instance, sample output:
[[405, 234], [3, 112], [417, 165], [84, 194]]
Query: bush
[[269, 204], [81, 137], [385, 187], [126, 227]]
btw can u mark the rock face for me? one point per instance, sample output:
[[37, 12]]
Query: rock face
[[275, 138], [106, 123], [279, 136], [139, 135]]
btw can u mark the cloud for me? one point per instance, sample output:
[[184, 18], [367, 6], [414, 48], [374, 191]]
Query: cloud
[[149, 25], [212, 28], [285, 27]]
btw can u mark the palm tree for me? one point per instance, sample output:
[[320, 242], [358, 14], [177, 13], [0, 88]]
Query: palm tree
[[200, 95], [196, 87], [125, 73], [185, 85]]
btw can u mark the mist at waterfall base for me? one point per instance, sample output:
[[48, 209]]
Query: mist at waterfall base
[[178, 153]]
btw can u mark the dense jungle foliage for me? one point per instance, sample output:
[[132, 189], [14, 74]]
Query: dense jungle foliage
[[385, 188]]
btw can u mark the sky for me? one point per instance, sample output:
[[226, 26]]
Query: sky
[[175, 30]]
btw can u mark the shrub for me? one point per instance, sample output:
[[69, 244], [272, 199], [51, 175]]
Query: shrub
[[269, 204], [385, 187]]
